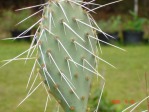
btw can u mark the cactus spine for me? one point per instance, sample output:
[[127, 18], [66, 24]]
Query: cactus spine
[[66, 53]]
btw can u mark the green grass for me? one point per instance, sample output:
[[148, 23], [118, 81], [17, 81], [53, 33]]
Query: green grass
[[13, 81], [127, 81], [122, 83]]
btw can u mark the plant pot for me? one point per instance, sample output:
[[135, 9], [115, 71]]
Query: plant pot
[[109, 39], [146, 41], [16, 33], [132, 37], [116, 37]]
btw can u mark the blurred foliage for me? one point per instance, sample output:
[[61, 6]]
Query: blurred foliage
[[105, 104], [135, 23], [146, 30], [14, 4], [113, 24], [9, 19], [119, 8]]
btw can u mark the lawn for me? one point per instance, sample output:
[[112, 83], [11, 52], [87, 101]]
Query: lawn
[[124, 83], [127, 82]]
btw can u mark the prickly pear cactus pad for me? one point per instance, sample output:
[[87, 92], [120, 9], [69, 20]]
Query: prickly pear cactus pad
[[66, 54], [65, 42]]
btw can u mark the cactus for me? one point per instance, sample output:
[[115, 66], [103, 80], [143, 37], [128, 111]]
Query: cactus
[[66, 41], [66, 54]]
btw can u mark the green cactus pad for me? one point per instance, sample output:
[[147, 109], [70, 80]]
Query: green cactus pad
[[64, 54]]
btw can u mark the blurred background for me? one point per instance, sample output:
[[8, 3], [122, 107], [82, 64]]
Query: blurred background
[[127, 21]]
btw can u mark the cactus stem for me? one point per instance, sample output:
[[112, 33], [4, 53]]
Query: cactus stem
[[63, 12], [73, 31]]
